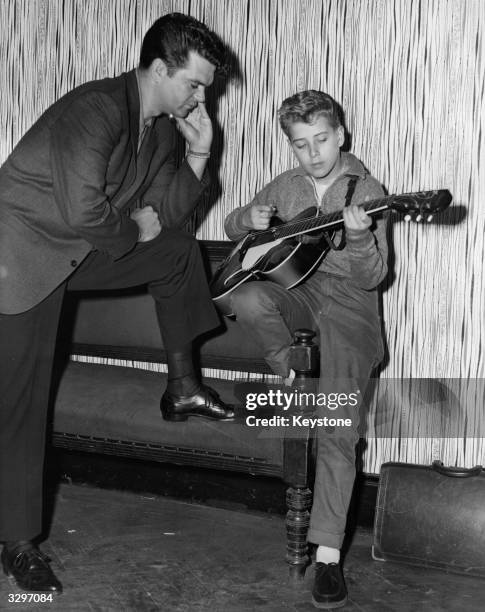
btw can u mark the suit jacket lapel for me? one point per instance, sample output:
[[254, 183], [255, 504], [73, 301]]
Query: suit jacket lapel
[[133, 102], [133, 98]]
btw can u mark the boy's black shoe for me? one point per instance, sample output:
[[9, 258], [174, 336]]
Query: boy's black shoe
[[329, 590], [30, 569]]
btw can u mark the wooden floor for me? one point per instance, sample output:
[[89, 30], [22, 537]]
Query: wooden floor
[[127, 551]]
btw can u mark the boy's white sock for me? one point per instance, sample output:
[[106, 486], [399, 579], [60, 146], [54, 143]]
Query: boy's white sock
[[328, 555], [288, 381]]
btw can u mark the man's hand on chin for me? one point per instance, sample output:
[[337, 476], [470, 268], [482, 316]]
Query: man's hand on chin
[[196, 128]]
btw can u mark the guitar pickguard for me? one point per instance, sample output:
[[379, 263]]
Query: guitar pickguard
[[256, 253]]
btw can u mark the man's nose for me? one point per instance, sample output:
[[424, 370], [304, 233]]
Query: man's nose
[[200, 94]]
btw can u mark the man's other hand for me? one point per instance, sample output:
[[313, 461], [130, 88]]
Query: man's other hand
[[148, 223]]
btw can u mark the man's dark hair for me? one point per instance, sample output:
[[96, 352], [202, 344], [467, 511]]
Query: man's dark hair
[[173, 36], [306, 107]]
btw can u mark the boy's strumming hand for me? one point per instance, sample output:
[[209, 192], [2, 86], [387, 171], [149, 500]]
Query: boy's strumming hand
[[149, 225], [258, 216]]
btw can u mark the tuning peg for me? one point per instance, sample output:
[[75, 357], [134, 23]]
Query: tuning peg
[[418, 218], [429, 217], [407, 218]]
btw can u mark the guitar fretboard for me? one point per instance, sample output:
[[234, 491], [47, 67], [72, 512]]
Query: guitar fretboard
[[330, 220]]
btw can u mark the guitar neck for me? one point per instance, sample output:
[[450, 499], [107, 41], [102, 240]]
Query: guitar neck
[[322, 222]]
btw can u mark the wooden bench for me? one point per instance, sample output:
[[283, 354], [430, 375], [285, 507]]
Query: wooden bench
[[107, 398]]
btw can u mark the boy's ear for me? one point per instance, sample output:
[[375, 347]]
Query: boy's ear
[[341, 136]]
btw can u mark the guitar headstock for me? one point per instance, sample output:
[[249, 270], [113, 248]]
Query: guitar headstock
[[421, 205]]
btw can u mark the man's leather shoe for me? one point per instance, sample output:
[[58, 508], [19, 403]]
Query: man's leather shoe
[[205, 403], [30, 569], [329, 590]]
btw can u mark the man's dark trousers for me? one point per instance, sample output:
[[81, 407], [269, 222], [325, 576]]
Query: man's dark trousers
[[172, 268]]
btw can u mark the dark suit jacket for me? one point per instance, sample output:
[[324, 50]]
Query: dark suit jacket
[[67, 185]]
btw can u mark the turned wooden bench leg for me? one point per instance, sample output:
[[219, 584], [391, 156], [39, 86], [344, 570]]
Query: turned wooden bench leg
[[297, 458], [299, 502]]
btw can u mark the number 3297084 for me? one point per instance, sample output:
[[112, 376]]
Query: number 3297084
[[30, 597]]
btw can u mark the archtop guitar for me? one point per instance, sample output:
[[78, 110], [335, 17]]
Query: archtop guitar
[[276, 254]]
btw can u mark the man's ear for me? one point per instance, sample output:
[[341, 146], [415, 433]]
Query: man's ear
[[158, 69]]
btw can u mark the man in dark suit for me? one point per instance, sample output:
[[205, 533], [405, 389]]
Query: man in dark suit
[[91, 198]]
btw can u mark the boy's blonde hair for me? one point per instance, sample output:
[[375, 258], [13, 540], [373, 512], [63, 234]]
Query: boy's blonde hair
[[306, 106]]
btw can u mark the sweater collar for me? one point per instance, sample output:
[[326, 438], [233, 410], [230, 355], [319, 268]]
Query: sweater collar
[[350, 166]]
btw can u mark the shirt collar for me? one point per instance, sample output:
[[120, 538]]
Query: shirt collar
[[142, 124]]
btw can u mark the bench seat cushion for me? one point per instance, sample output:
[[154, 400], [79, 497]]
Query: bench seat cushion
[[116, 410]]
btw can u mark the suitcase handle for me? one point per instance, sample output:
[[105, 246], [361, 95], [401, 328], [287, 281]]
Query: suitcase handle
[[456, 472]]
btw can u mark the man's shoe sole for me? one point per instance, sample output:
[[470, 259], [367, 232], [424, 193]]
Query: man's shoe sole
[[331, 605], [177, 418]]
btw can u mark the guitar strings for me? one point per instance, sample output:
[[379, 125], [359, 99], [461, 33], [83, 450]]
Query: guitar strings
[[298, 226]]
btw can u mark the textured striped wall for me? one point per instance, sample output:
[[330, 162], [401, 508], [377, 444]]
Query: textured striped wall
[[410, 75]]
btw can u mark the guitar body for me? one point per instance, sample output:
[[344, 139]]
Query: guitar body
[[276, 254], [290, 264], [286, 262]]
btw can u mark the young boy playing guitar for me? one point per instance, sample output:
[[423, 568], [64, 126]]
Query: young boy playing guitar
[[340, 298]]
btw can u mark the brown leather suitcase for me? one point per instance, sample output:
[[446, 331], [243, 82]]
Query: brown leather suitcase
[[431, 516]]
